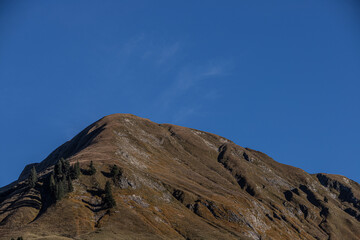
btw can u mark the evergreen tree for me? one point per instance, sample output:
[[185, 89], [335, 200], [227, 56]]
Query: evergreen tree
[[32, 177], [52, 186], [69, 185], [109, 199], [114, 171], [75, 171], [65, 166], [92, 169], [60, 191], [59, 169]]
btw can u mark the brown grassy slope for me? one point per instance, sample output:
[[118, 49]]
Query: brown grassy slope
[[179, 183]]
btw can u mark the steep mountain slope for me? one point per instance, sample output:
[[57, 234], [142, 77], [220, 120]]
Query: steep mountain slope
[[177, 183]]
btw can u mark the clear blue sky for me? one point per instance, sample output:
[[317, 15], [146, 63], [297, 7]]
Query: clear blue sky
[[282, 77]]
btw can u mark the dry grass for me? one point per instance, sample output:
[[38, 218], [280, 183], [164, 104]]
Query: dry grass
[[179, 183]]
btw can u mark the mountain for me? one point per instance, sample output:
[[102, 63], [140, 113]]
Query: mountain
[[174, 183]]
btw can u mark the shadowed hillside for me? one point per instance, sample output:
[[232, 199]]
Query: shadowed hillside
[[172, 182]]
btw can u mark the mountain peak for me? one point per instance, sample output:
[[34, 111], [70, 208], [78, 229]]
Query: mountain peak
[[176, 183]]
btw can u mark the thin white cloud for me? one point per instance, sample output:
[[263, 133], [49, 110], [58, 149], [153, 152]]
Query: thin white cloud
[[191, 76], [167, 52], [131, 46], [213, 71], [186, 79], [147, 49]]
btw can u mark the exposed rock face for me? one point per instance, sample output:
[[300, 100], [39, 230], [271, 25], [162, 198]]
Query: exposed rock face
[[178, 183]]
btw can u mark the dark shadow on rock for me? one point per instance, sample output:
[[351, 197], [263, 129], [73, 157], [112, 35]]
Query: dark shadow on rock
[[92, 204], [94, 207], [241, 181], [353, 213], [276, 216], [269, 217], [26, 203], [68, 149], [179, 195], [46, 197], [304, 209], [95, 210], [96, 192], [288, 195], [345, 193], [107, 174], [228, 162], [250, 190], [324, 212], [23, 203], [296, 191], [85, 172], [310, 196], [8, 193]]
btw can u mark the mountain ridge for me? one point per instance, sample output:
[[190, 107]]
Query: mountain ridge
[[179, 183]]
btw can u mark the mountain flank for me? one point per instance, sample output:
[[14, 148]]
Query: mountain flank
[[126, 177]]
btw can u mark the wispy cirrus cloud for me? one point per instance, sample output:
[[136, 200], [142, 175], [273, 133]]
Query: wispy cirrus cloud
[[188, 81], [167, 52], [131, 46], [191, 76], [148, 49], [185, 87]]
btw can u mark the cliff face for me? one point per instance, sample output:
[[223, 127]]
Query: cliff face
[[178, 183]]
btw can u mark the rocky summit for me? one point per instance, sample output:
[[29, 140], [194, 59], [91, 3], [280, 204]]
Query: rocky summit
[[125, 177]]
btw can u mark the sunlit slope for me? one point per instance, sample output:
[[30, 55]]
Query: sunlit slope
[[177, 183]]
